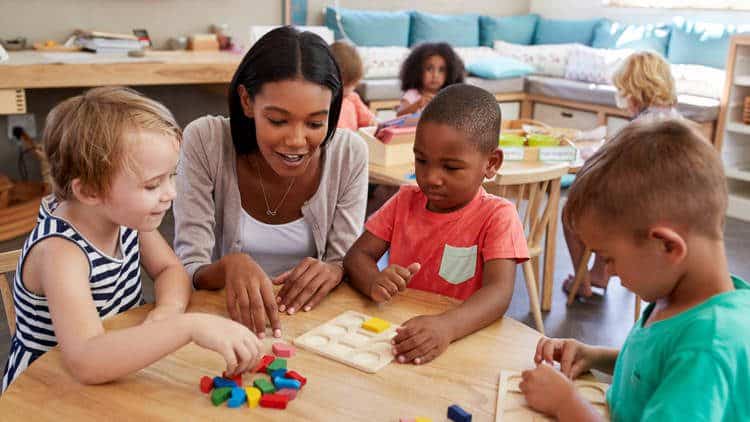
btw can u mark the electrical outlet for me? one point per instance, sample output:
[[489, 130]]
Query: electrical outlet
[[26, 121]]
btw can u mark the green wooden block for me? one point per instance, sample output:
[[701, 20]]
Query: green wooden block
[[264, 386], [220, 395], [277, 364]]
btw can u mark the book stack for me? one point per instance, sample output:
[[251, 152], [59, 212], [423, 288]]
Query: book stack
[[107, 43], [400, 127]]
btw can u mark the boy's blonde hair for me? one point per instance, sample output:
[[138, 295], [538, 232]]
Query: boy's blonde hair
[[84, 136], [646, 78], [662, 172], [350, 64]]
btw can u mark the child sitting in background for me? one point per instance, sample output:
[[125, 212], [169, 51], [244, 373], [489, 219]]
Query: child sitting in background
[[354, 113], [446, 235], [652, 202], [646, 89], [113, 155], [429, 68]]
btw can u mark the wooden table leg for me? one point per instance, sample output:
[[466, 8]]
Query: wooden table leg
[[550, 242]]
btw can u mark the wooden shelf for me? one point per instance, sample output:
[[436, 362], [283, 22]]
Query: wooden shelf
[[738, 173], [738, 127]]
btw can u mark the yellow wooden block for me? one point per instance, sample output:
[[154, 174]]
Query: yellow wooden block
[[422, 419], [376, 325], [253, 396]]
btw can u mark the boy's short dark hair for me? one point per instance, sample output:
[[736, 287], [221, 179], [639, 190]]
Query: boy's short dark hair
[[470, 109], [656, 172], [349, 62]]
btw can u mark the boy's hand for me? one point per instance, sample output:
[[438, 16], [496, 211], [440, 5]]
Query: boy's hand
[[391, 280], [546, 389], [420, 339], [575, 357], [235, 342]]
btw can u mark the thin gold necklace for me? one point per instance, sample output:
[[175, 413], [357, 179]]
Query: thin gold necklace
[[271, 212]]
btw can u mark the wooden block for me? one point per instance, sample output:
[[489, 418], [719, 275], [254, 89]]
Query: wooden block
[[237, 378], [203, 42], [207, 384], [264, 386], [289, 392], [344, 340], [283, 350], [376, 325], [275, 401], [238, 397], [277, 364], [220, 395], [282, 383], [263, 364], [296, 376], [253, 396], [422, 419], [278, 373], [457, 414], [220, 382]]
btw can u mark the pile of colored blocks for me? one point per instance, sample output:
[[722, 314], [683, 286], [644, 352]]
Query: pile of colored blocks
[[276, 393]]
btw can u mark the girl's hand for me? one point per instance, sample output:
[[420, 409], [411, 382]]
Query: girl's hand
[[546, 389], [240, 348], [164, 311], [420, 340], [250, 294], [575, 357], [307, 284]]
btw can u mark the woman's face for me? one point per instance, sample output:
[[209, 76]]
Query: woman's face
[[291, 121]]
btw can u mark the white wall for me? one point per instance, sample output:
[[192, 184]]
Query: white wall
[[584, 9], [485, 7]]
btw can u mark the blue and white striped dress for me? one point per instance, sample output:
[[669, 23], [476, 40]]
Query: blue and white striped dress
[[115, 287]]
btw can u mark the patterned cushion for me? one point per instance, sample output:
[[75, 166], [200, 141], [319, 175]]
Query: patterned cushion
[[382, 62], [546, 59], [596, 65]]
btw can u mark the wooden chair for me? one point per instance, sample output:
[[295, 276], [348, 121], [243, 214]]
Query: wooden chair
[[581, 271], [538, 187], [8, 262]]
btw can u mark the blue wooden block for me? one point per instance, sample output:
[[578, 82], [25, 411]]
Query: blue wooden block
[[281, 382], [278, 373], [238, 397], [220, 382], [457, 414]]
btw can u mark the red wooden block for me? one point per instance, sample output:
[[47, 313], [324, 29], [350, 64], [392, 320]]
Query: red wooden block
[[275, 401], [237, 378], [291, 393], [283, 350], [207, 384], [296, 376], [264, 362]]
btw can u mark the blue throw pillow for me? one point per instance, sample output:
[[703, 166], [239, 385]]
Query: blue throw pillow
[[637, 37], [706, 44], [456, 30], [499, 68], [371, 29], [552, 31], [512, 29]]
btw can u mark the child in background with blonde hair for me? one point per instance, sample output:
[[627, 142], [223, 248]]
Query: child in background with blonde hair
[[354, 113], [646, 89], [113, 154]]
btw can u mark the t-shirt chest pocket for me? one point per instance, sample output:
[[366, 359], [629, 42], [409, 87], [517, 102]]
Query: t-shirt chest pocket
[[458, 263]]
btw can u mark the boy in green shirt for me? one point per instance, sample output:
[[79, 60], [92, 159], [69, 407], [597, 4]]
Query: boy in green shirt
[[651, 202]]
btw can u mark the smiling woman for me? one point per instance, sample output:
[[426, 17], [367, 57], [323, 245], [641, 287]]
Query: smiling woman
[[274, 193]]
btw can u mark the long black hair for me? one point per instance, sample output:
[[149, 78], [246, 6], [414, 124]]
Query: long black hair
[[413, 67], [282, 54]]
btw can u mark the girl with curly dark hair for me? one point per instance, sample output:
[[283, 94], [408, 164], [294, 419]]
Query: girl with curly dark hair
[[429, 68]]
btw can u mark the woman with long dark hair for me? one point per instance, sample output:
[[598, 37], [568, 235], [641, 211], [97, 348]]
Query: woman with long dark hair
[[274, 193]]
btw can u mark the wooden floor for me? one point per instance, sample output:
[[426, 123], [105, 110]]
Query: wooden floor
[[603, 320]]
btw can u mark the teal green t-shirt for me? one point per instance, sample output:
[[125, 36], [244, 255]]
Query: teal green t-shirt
[[694, 366]]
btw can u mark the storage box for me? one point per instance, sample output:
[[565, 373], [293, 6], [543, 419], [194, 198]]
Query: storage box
[[566, 152], [399, 151]]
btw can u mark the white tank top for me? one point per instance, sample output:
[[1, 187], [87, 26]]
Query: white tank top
[[276, 247]]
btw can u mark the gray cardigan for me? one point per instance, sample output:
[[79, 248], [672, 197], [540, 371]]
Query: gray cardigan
[[207, 207]]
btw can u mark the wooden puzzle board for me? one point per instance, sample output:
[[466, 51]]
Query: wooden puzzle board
[[344, 340], [511, 404]]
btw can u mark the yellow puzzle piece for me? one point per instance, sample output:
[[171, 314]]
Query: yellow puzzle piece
[[253, 396], [376, 325]]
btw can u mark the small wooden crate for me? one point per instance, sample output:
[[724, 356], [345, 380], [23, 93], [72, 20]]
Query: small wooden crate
[[19, 215], [746, 112], [396, 153]]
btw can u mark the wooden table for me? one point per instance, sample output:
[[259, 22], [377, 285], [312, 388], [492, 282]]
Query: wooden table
[[466, 374]]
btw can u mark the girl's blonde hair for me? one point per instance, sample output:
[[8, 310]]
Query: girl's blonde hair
[[85, 136], [645, 77]]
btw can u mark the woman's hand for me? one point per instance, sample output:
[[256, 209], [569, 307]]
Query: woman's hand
[[249, 292], [307, 284]]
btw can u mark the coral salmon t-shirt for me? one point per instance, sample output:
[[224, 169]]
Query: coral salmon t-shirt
[[451, 247]]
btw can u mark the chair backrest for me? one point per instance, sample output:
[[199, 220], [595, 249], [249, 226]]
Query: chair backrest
[[8, 262], [536, 186]]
